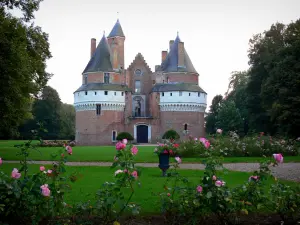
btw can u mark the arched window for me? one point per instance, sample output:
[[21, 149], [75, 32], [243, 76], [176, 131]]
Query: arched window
[[114, 136], [185, 126]]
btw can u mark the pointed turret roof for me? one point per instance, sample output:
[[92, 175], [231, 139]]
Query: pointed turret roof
[[100, 60], [170, 64], [117, 30]]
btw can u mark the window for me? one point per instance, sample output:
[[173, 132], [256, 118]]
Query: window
[[163, 94], [95, 92], [86, 93], [98, 109], [138, 72], [171, 94], [168, 80], [106, 78], [122, 93], [114, 136], [189, 94], [180, 93], [199, 94], [105, 92], [185, 126], [153, 81], [85, 79], [137, 86], [115, 93]]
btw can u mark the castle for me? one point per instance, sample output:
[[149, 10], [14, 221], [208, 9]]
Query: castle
[[113, 99]]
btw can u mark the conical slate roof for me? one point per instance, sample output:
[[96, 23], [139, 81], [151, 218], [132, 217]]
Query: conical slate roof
[[170, 64], [117, 30], [100, 61]]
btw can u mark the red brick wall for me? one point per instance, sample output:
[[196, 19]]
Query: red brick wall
[[115, 78], [119, 45], [182, 77], [176, 121], [92, 129]]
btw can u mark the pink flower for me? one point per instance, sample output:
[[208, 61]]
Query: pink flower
[[205, 142], [118, 171], [15, 174], [69, 150], [134, 174], [219, 183], [124, 141], [42, 168], [219, 131], [120, 146], [45, 190], [214, 177], [195, 139], [134, 150], [49, 171], [255, 178], [165, 152], [1, 162], [278, 158], [125, 171], [169, 194], [199, 189], [178, 159]]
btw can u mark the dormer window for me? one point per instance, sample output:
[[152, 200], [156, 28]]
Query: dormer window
[[106, 78]]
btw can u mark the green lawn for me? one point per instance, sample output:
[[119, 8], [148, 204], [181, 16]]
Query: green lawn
[[106, 154], [151, 183]]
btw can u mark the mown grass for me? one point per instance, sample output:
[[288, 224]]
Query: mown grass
[[92, 178], [107, 153]]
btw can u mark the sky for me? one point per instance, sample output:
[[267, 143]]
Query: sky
[[215, 33]]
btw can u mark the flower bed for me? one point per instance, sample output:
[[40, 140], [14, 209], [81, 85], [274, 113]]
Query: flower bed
[[56, 143]]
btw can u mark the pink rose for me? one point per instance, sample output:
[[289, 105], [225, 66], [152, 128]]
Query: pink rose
[[42, 168], [45, 190], [219, 183], [178, 159], [219, 131], [1, 162], [120, 146], [134, 150], [195, 139], [69, 150], [134, 174], [49, 171], [255, 178], [15, 174], [199, 189], [214, 177], [124, 141], [169, 194], [278, 158], [205, 142]]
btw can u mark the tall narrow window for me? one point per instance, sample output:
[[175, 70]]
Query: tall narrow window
[[189, 94], [115, 93], [171, 94], [98, 109], [85, 79], [122, 93], [199, 94], [185, 127], [106, 78], [86, 93], [137, 86], [168, 80], [114, 135], [105, 92], [163, 94]]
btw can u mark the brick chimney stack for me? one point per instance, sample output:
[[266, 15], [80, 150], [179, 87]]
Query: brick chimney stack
[[163, 55], [93, 46], [180, 53]]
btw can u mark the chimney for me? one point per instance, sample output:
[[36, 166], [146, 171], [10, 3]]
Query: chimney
[[93, 46], [163, 55], [180, 54], [170, 44]]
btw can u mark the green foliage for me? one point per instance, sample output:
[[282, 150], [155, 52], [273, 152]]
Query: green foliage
[[24, 51], [210, 125], [124, 135], [171, 134]]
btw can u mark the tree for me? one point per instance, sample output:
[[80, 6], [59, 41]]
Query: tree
[[47, 110], [67, 120], [229, 117], [210, 125], [23, 55]]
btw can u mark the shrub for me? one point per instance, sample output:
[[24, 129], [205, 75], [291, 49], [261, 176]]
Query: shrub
[[56, 143], [124, 135], [171, 134]]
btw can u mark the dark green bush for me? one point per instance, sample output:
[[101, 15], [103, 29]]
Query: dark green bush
[[124, 135], [171, 134]]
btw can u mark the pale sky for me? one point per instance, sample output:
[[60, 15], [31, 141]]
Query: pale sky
[[215, 34]]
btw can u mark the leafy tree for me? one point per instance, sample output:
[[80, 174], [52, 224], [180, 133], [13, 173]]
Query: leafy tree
[[24, 51], [229, 117], [210, 125], [67, 120]]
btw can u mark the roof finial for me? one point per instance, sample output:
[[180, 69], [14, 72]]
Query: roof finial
[[117, 16], [104, 33], [177, 33]]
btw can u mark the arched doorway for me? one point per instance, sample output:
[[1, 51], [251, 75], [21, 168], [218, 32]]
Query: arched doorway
[[141, 133]]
